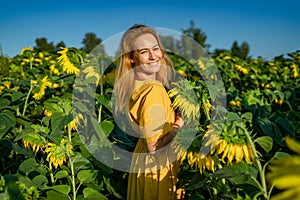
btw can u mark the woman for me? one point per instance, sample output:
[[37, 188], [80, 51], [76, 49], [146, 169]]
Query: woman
[[144, 71]]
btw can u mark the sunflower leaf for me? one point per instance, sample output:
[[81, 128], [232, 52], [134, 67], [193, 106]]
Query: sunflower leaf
[[86, 176], [266, 142]]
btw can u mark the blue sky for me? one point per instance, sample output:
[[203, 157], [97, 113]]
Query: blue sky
[[270, 27]]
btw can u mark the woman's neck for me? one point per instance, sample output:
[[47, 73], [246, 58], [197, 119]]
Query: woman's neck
[[142, 76]]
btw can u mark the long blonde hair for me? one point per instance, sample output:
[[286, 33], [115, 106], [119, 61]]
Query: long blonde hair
[[125, 77]]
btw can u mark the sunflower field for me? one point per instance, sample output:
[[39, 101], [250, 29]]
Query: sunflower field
[[252, 153]]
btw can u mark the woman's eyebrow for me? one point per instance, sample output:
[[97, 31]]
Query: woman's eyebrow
[[147, 48]]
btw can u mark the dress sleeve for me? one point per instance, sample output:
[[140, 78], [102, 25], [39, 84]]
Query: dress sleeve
[[152, 112]]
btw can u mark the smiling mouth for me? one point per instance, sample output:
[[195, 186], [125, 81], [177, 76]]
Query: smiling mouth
[[153, 63]]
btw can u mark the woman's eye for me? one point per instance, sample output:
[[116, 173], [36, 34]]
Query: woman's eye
[[156, 48], [143, 52]]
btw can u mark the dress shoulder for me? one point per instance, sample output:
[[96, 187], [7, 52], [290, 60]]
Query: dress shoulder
[[149, 89]]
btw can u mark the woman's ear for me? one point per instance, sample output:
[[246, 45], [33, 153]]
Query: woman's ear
[[131, 58]]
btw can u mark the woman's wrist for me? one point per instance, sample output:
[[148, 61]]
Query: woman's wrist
[[176, 126]]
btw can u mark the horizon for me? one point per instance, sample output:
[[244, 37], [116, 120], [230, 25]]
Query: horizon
[[271, 28]]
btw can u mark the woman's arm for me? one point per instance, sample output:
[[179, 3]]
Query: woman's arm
[[161, 142]]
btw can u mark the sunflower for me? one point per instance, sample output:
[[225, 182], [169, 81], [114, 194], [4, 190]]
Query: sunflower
[[110, 77], [90, 71], [75, 122], [34, 140], [201, 65], [67, 65], [182, 72], [44, 84], [295, 70], [185, 98], [47, 113], [25, 49], [229, 142], [58, 154], [284, 172], [241, 69], [201, 162], [54, 70]]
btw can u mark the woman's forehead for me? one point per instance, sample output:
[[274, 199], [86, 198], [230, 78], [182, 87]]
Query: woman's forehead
[[145, 41]]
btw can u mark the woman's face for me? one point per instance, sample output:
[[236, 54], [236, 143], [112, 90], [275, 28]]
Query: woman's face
[[147, 56]]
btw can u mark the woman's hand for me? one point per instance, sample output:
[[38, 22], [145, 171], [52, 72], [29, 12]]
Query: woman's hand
[[178, 124]]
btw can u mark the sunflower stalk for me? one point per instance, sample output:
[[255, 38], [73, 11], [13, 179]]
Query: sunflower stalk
[[71, 162], [51, 174], [26, 100], [101, 90], [262, 185]]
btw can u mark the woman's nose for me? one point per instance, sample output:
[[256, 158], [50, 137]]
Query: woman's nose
[[152, 55]]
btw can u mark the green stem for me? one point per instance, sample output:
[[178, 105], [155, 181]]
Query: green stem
[[101, 88], [26, 100], [30, 61], [99, 113], [73, 178], [51, 174], [101, 93], [263, 186], [71, 161]]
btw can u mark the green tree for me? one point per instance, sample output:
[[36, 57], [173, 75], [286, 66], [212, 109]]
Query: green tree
[[241, 51], [188, 45], [219, 51], [170, 43], [91, 41], [43, 45], [60, 45]]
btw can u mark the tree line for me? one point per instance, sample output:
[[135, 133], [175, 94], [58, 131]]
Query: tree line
[[91, 40]]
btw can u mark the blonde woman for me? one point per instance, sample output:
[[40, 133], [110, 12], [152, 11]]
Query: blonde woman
[[143, 72]]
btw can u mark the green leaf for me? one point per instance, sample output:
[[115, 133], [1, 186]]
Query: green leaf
[[16, 95], [98, 129], [238, 173], [266, 142], [23, 120], [197, 181], [214, 91], [104, 101], [7, 121], [280, 154], [55, 136], [53, 195], [110, 188], [266, 126], [56, 119], [28, 165], [64, 189], [93, 194], [27, 130], [107, 127], [59, 121], [82, 107], [61, 174], [86, 176], [40, 180], [248, 116], [4, 103], [81, 162], [264, 111], [285, 125], [232, 117], [53, 107]]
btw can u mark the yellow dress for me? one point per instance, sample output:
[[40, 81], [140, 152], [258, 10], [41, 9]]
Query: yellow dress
[[151, 115]]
